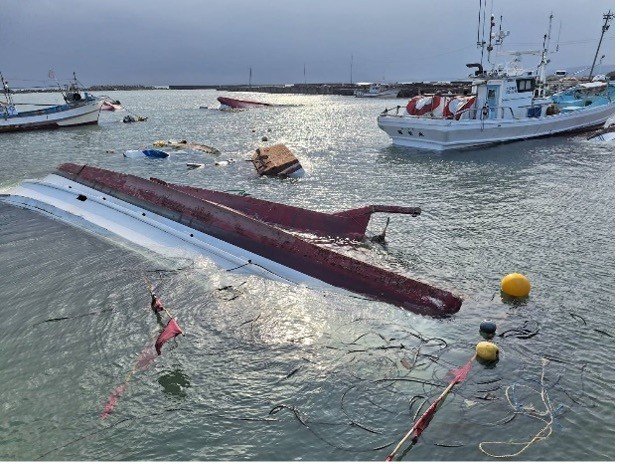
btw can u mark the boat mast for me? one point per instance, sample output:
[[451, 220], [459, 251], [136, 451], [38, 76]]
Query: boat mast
[[6, 90], [607, 17], [544, 60]]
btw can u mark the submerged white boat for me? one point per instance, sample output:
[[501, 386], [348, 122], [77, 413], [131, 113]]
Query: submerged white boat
[[80, 108], [607, 134], [377, 91], [504, 105]]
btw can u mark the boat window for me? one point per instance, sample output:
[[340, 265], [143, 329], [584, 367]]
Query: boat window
[[525, 85], [491, 94]]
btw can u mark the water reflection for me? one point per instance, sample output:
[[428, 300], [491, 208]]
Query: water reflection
[[175, 383]]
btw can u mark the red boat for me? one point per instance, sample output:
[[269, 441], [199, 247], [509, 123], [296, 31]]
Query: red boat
[[240, 104], [349, 224], [111, 105], [280, 252]]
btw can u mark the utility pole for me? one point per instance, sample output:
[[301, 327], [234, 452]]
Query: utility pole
[[607, 17], [250, 80], [351, 68], [305, 81]]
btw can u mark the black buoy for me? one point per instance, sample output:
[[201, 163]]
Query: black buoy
[[487, 329]]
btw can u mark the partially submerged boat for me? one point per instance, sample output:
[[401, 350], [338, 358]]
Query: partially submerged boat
[[169, 218], [350, 224], [148, 153], [607, 134], [111, 105], [505, 104], [80, 108], [234, 103]]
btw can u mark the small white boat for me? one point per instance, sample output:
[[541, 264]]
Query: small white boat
[[80, 108], [505, 104], [377, 91]]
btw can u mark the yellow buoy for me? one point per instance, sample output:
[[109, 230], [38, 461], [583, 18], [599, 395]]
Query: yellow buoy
[[487, 351], [516, 285]]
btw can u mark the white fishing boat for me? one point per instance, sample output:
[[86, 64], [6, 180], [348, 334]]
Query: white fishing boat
[[80, 108], [506, 103], [377, 91]]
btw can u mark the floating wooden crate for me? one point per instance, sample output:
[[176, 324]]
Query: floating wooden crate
[[276, 160]]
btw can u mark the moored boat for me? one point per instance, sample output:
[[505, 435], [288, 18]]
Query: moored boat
[[505, 104], [80, 108], [377, 91]]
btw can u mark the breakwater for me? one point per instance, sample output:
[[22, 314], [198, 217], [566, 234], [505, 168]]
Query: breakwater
[[404, 90]]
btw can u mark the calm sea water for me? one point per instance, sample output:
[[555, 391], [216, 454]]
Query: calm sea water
[[330, 365]]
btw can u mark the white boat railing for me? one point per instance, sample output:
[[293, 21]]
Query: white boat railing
[[501, 112]]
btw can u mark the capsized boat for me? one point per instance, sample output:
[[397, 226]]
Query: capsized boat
[[505, 104], [148, 153], [237, 104], [350, 224], [607, 134], [111, 105], [160, 217], [80, 108]]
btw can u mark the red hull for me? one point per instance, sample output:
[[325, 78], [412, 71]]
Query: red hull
[[349, 224], [265, 240], [240, 104], [110, 107]]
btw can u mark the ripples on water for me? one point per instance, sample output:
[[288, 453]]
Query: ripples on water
[[544, 208]]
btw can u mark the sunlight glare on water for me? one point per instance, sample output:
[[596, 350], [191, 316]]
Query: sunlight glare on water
[[328, 367]]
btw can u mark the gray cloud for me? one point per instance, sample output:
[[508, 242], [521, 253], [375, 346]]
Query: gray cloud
[[216, 41]]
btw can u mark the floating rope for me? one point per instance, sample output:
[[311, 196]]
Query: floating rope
[[545, 415]]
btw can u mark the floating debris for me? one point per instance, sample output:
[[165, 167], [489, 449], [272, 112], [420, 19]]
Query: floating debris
[[145, 153], [459, 375], [276, 160], [182, 144], [130, 119], [225, 162]]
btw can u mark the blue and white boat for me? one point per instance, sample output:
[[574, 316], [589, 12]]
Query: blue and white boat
[[149, 153], [80, 108]]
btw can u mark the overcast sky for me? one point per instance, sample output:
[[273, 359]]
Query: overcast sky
[[216, 41]]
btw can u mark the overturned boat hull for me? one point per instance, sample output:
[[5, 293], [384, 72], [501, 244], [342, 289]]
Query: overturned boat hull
[[154, 215], [241, 104], [350, 224]]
